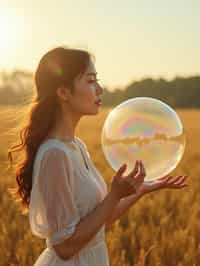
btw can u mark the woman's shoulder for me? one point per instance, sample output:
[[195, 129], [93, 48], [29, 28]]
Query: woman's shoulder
[[54, 144], [50, 149]]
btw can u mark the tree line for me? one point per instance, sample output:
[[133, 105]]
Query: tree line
[[180, 92], [17, 87]]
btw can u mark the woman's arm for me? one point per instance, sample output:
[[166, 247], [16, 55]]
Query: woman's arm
[[123, 205], [165, 182], [87, 228]]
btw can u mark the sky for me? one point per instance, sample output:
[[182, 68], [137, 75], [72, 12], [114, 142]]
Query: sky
[[130, 39]]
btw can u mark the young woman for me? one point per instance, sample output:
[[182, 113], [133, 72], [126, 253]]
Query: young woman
[[68, 201]]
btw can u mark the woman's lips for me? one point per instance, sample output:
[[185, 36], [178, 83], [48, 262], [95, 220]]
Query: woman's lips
[[99, 102]]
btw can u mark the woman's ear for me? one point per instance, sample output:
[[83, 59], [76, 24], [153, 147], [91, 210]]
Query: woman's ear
[[63, 93]]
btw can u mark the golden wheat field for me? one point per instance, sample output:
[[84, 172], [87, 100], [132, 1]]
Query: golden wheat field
[[161, 229]]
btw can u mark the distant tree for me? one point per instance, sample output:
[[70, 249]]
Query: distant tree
[[17, 87]]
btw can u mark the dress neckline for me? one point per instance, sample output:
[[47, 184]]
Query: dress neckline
[[63, 140]]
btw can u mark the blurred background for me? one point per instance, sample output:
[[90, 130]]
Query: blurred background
[[141, 48]]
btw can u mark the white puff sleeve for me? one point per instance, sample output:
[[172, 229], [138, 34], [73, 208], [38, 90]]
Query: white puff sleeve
[[52, 211]]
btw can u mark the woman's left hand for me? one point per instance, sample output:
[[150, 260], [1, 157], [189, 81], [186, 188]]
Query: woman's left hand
[[174, 182]]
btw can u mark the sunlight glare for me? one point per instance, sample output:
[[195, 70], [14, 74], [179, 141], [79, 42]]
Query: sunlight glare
[[9, 28]]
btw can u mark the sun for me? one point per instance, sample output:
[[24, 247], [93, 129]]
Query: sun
[[9, 27]]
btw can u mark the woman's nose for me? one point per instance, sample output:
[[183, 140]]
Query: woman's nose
[[99, 89]]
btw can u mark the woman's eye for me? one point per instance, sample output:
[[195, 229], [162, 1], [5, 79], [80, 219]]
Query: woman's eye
[[93, 80]]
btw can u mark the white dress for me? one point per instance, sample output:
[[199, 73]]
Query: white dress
[[63, 192]]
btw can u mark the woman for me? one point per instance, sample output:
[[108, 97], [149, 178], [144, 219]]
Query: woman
[[67, 198]]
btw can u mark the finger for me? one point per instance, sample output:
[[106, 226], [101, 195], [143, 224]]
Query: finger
[[180, 183], [135, 170], [121, 170], [143, 169], [141, 172], [174, 179], [177, 179], [180, 180], [184, 185], [166, 177], [179, 186], [140, 175]]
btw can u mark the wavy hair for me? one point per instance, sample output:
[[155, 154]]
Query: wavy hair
[[59, 66]]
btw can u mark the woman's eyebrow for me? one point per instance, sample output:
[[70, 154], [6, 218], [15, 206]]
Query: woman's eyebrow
[[92, 73]]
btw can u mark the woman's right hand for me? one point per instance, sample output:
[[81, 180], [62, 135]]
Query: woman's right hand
[[123, 186]]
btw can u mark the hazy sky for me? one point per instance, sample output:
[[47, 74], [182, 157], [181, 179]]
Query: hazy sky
[[130, 39]]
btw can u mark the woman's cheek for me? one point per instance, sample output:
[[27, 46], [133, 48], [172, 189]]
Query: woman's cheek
[[92, 88]]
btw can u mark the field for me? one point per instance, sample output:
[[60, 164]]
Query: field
[[161, 229]]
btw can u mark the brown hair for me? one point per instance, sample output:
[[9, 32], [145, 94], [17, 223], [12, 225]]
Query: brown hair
[[60, 66]]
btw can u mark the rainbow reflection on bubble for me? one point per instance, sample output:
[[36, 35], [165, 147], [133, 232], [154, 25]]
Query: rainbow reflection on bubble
[[147, 129]]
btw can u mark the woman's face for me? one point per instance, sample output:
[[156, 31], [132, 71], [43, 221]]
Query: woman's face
[[86, 92]]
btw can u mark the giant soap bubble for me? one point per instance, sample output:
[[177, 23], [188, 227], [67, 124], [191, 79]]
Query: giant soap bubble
[[146, 129]]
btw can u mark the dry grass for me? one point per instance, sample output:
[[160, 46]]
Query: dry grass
[[162, 229]]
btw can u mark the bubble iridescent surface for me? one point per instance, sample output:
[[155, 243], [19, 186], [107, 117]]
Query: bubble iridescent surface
[[146, 129]]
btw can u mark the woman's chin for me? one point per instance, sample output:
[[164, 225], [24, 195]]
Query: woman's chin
[[94, 112]]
